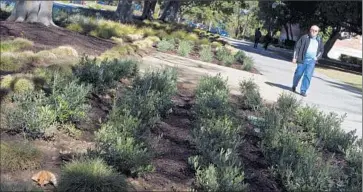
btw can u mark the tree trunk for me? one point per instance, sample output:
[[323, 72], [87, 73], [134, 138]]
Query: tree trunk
[[148, 10], [287, 31], [171, 9], [291, 33], [32, 12], [124, 11], [245, 27], [330, 43]]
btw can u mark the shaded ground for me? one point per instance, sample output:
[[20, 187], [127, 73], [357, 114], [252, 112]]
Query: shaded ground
[[51, 37]]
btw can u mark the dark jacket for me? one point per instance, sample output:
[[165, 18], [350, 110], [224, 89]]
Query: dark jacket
[[302, 45], [257, 35]]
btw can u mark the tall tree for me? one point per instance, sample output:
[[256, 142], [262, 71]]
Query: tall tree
[[149, 9], [124, 11], [341, 16], [171, 9], [32, 12]]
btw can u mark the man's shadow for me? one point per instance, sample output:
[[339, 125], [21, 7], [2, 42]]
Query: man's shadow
[[279, 86]]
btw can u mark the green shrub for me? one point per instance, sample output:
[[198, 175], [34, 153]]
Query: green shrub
[[206, 54], [211, 84], [117, 145], [251, 98], [180, 34], [203, 41], [184, 48], [166, 45], [23, 85], [225, 56], [191, 37], [19, 156], [162, 83], [248, 63], [75, 27], [217, 133], [106, 74], [15, 45], [240, 57], [68, 100], [287, 104], [29, 115], [90, 175], [354, 167]]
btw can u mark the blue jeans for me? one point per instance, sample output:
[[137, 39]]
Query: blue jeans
[[306, 68]]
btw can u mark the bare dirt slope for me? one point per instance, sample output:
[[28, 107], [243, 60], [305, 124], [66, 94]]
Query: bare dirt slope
[[50, 37]]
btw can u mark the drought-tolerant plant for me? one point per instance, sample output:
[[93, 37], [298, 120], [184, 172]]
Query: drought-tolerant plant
[[225, 56], [216, 44], [29, 115], [211, 84], [206, 54], [158, 83], [354, 167], [15, 45], [251, 98], [184, 48], [19, 156], [90, 175], [117, 143], [16, 186], [166, 45], [68, 99], [287, 104], [248, 63], [15, 61], [240, 56], [105, 75]]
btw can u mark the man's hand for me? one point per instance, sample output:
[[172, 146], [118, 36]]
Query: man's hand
[[294, 61]]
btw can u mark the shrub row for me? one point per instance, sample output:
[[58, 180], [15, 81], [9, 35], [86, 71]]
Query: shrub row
[[218, 167], [121, 142], [295, 140]]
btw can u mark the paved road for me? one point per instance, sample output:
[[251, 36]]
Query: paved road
[[328, 94]]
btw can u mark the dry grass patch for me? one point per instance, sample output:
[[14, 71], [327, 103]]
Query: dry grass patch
[[15, 45]]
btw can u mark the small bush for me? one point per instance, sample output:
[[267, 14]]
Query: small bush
[[191, 37], [211, 84], [225, 56], [180, 34], [106, 74], [14, 45], [166, 45], [162, 83], [90, 175], [19, 156], [69, 100], [216, 44], [29, 115], [184, 48], [287, 104], [203, 41], [240, 57], [154, 39], [23, 85], [15, 61], [251, 98], [75, 27], [206, 54], [248, 63], [116, 144], [354, 168]]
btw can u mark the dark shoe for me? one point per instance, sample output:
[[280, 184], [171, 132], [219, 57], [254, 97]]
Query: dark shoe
[[303, 94], [293, 89]]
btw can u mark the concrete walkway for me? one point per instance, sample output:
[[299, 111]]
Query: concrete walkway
[[326, 93]]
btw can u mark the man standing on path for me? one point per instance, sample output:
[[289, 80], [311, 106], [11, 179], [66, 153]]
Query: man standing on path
[[257, 37], [308, 49]]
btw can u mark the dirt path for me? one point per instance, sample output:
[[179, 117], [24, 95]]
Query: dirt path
[[51, 37]]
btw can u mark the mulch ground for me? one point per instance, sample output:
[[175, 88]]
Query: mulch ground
[[51, 37]]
